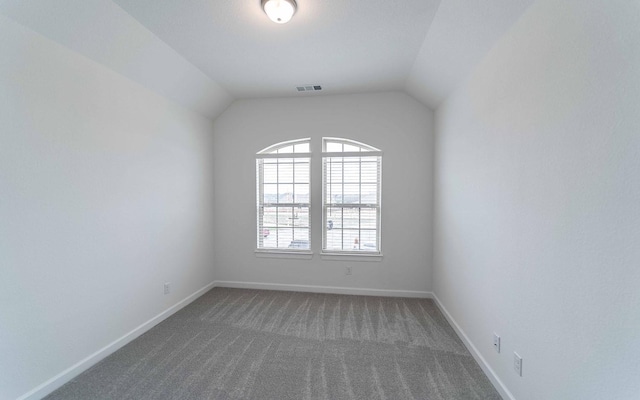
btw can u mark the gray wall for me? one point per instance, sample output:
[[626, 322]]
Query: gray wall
[[392, 122], [537, 202], [105, 194]]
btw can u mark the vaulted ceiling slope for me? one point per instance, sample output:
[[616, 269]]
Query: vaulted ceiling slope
[[345, 46], [204, 53], [100, 30], [459, 37]]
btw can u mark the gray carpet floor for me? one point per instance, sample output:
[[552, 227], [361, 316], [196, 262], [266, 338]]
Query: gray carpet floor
[[257, 344]]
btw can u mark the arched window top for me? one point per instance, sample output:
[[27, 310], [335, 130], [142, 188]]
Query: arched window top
[[296, 146], [340, 145]]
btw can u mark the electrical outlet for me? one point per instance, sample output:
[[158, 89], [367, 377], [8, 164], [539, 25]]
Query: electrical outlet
[[167, 288], [348, 270], [496, 342], [517, 363]]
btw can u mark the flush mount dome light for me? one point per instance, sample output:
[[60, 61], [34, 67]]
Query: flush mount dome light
[[279, 11]]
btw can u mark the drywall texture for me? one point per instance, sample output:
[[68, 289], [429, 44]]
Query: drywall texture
[[461, 33], [537, 228], [105, 195], [392, 122], [103, 32]]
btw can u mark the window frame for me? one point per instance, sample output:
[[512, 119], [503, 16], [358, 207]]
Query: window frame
[[365, 150], [272, 152]]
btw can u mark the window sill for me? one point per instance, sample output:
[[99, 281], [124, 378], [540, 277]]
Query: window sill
[[299, 255], [377, 257]]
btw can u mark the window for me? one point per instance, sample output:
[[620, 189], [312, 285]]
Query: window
[[351, 181], [283, 203]]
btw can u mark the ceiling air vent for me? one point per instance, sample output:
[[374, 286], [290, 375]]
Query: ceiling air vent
[[308, 88]]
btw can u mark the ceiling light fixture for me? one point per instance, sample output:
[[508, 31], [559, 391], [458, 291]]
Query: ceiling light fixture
[[279, 11]]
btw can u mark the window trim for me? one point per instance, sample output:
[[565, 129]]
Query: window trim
[[351, 256], [355, 143], [282, 253], [308, 254], [277, 146], [267, 153], [371, 151]]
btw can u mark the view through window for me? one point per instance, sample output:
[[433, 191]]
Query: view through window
[[351, 180], [283, 196], [351, 204]]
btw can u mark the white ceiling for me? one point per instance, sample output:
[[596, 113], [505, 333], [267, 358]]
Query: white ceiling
[[345, 46], [103, 32], [204, 53], [459, 37]]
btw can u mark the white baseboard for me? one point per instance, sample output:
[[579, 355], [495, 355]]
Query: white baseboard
[[488, 371], [65, 376], [325, 289]]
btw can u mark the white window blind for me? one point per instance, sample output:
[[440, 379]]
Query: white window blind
[[283, 196], [351, 182]]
